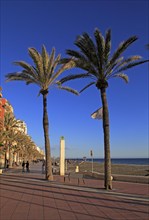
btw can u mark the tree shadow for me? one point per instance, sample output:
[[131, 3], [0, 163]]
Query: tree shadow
[[67, 192]]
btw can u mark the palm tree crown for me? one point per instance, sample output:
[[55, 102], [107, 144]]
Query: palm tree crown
[[95, 59], [43, 72]]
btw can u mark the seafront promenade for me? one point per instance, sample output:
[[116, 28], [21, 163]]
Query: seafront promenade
[[28, 196]]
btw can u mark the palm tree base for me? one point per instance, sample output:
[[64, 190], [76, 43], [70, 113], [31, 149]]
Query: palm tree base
[[49, 178], [108, 187]]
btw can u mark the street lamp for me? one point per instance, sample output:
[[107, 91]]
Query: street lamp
[[91, 154]]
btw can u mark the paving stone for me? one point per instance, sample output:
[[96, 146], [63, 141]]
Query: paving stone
[[29, 196]]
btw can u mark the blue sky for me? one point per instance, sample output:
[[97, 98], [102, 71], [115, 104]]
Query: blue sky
[[56, 24]]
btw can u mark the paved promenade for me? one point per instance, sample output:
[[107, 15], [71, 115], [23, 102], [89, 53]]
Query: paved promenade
[[27, 196]]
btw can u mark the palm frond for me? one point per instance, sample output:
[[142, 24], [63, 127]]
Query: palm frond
[[86, 66], [80, 61], [76, 54], [45, 58], [107, 46], [64, 67], [64, 60], [100, 43], [28, 69], [25, 65], [73, 76], [51, 60], [14, 76], [75, 92], [130, 65], [91, 49], [126, 62], [110, 67], [56, 62], [37, 58], [87, 47], [122, 76], [81, 43], [121, 48], [20, 76], [90, 84]]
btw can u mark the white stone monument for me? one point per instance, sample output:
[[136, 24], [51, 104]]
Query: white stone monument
[[62, 156]]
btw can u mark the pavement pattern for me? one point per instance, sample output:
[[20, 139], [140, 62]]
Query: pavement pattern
[[28, 196]]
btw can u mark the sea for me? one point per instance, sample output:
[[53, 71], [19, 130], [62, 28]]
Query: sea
[[133, 161]]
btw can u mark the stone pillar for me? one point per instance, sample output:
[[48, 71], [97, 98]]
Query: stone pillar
[[62, 156]]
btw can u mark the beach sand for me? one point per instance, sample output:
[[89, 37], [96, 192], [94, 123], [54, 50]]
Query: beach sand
[[120, 172], [120, 169]]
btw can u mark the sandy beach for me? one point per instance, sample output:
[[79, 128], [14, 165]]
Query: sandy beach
[[120, 172], [120, 169]]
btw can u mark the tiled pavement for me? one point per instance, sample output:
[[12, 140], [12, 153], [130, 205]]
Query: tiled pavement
[[27, 196]]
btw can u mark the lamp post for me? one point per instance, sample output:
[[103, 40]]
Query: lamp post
[[91, 154]]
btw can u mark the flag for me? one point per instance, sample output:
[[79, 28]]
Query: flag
[[98, 114]]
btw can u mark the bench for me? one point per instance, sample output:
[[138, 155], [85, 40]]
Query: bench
[[75, 176]]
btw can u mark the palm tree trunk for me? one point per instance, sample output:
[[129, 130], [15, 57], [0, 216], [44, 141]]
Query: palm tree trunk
[[5, 160], [106, 130], [10, 157], [49, 175]]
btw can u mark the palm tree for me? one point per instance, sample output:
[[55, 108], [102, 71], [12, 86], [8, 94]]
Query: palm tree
[[43, 73], [2, 140], [11, 124], [24, 146], [99, 66]]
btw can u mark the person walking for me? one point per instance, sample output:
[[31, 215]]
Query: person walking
[[27, 166], [23, 165], [43, 166]]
